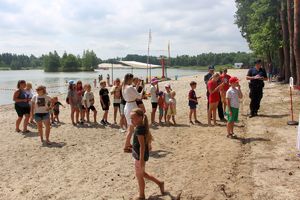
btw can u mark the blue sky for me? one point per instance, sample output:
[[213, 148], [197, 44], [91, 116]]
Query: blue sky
[[116, 28]]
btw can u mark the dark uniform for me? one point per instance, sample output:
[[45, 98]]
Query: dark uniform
[[256, 89]]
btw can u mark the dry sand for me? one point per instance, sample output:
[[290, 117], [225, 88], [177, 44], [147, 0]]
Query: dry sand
[[196, 162]]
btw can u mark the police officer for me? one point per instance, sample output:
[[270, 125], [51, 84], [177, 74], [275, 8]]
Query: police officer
[[257, 75]]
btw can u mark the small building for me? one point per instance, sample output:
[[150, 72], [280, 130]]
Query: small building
[[238, 65]]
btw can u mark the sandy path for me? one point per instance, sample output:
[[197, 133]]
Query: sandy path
[[198, 162]]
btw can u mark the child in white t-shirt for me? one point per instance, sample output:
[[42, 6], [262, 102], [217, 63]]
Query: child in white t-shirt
[[233, 95], [41, 106], [89, 100], [116, 92], [172, 108]]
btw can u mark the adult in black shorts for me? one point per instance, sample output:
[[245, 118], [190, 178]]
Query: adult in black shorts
[[22, 106]]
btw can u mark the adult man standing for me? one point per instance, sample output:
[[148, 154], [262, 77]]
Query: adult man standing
[[257, 75], [211, 71]]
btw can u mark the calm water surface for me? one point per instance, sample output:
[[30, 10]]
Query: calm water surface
[[56, 82]]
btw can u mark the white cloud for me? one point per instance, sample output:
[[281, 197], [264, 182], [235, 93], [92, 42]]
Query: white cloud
[[115, 28]]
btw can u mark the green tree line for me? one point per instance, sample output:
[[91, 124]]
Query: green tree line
[[203, 59], [51, 62], [271, 28], [15, 62]]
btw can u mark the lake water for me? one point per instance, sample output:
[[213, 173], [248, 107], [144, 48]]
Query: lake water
[[56, 82]]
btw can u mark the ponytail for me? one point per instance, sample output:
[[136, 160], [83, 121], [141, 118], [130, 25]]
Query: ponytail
[[139, 112], [149, 137]]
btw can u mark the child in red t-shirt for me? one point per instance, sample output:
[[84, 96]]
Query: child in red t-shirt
[[225, 79], [214, 97]]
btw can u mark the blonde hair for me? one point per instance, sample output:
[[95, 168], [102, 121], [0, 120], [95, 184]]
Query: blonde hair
[[216, 75], [173, 93], [102, 82], [28, 85], [140, 113]]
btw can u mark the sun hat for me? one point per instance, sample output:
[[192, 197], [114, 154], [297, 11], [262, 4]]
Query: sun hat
[[71, 82], [233, 80], [154, 80]]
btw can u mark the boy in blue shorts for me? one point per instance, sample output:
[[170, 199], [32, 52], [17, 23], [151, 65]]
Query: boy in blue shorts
[[193, 102], [233, 95]]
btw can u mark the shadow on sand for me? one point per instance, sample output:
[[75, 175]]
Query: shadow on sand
[[159, 153], [166, 194], [250, 140], [54, 145]]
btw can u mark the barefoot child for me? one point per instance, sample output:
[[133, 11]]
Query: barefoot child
[[116, 92], [154, 93], [172, 108], [105, 102], [30, 94], [214, 97], [140, 151], [193, 102], [233, 95], [88, 99], [167, 98], [41, 109], [56, 110], [161, 103]]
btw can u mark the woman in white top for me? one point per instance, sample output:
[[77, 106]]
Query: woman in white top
[[130, 95]]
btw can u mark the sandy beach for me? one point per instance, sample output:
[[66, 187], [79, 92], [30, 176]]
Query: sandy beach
[[195, 161]]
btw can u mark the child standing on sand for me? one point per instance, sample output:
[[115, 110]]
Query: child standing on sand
[[41, 109], [161, 103], [154, 93], [214, 97], [105, 102], [116, 92], [30, 94], [233, 95], [89, 100], [167, 98], [56, 110], [140, 151], [172, 108], [193, 102]]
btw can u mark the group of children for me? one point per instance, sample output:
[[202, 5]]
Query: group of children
[[43, 110]]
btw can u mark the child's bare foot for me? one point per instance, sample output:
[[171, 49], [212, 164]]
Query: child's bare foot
[[48, 142], [18, 130], [162, 188]]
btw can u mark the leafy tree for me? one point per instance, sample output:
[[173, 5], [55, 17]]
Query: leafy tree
[[51, 62], [70, 63]]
